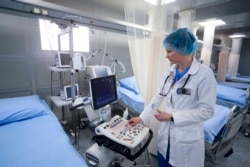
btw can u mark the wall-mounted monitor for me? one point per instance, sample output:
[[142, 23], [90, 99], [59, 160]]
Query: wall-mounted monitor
[[103, 91], [63, 60]]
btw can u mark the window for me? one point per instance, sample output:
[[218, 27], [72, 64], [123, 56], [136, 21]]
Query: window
[[49, 37]]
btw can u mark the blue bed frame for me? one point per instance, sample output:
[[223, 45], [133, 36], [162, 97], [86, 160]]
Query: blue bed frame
[[34, 139]]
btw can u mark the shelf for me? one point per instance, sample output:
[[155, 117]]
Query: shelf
[[53, 68], [59, 102]]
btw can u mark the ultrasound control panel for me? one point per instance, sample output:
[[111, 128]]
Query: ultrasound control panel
[[118, 130]]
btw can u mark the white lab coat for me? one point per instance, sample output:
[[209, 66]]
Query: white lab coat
[[189, 111]]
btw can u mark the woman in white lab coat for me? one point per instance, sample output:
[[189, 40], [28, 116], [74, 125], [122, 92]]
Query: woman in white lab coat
[[189, 89]]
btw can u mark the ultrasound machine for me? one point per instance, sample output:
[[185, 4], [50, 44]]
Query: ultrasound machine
[[116, 142]]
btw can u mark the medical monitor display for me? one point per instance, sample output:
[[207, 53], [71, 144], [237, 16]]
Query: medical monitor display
[[67, 91], [63, 60], [103, 91]]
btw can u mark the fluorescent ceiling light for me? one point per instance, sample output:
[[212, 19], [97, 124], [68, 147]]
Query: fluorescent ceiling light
[[237, 36], [163, 2], [152, 2], [212, 23]]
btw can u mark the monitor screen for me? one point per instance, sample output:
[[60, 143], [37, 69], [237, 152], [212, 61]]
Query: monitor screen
[[67, 91], [103, 91], [63, 59]]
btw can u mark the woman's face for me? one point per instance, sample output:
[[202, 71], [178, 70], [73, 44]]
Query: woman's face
[[173, 56]]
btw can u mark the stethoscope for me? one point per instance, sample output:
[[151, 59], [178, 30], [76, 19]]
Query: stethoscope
[[181, 90]]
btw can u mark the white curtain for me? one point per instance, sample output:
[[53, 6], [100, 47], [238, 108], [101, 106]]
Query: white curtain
[[186, 19], [145, 37], [234, 57], [145, 44], [223, 58], [207, 46]]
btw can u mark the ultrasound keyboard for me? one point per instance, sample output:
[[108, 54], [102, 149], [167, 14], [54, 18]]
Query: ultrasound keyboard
[[118, 130]]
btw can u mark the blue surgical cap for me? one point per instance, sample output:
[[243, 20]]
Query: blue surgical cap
[[182, 41]]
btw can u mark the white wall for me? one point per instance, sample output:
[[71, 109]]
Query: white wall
[[24, 66]]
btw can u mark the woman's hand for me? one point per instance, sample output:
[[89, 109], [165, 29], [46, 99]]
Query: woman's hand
[[133, 121], [163, 116]]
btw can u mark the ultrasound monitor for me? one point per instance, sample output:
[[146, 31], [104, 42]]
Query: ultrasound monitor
[[103, 91]]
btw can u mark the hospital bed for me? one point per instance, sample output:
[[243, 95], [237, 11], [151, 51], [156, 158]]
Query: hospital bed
[[238, 79], [223, 142], [31, 135], [229, 96], [237, 85], [239, 96], [130, 97]]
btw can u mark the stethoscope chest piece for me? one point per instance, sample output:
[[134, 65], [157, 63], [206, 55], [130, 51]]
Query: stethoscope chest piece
[[179, 91]]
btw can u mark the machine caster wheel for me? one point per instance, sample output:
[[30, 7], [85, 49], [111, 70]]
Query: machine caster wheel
[[246, 134]]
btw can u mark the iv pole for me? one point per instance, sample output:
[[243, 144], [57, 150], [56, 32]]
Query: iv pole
[[69, 30], [72, 78]]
